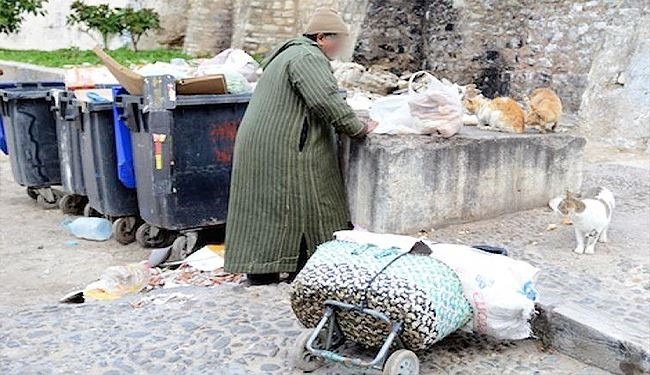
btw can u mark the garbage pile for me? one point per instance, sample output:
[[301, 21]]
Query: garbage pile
[[203, 268], [234, 66]]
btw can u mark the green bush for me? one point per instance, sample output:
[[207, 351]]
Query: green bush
[[113, 21], [100, 18], [12, 12]]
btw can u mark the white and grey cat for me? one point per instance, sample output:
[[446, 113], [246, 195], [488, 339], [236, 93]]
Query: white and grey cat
[[591, 216]]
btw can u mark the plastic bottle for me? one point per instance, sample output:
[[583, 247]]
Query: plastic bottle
[[89, 228], [118, 281]]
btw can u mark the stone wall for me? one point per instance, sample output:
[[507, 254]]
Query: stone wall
[[511, 47], [209, 27], [261, 25]]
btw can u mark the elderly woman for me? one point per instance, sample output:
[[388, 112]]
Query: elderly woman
[[287, 194]]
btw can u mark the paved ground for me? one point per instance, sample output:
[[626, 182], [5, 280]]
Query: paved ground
[[236, 330]]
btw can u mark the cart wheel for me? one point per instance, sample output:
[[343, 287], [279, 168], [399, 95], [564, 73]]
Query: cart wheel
[[33, 193], [402, 362], [124, 230], [91, 212], [302, 359], [150, 237], [71, 204]]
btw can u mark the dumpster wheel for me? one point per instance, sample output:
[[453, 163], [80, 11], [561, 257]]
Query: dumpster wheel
[[72, 204], [50, 202], [184, 245], [149, 236], [124, 229], [89, 211], [32, 193]]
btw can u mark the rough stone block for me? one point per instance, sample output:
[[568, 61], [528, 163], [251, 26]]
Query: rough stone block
[[403, 184]]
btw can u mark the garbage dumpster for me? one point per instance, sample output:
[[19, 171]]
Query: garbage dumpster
[[68, 128], [30, 134], [182, 152], [3, 142], [106, 194]]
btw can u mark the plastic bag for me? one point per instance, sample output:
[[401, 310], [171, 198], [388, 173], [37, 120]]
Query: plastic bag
[[438, 109], [500, 289], [393, 115], [236, 83], [236, 60]]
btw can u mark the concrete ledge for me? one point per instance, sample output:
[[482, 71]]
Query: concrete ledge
[[592, 337], [22, 72], [403, 184]]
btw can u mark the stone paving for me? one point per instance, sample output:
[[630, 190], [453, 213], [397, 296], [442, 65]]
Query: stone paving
[[236, 330], [226, 330]]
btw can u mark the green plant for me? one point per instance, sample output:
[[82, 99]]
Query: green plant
[[12, 12], [100, 18], [137, 22]]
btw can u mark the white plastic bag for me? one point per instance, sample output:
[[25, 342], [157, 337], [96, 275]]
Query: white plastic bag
[[438, 109], [236, 83], [500, 289], [234, 59], [393, 115]]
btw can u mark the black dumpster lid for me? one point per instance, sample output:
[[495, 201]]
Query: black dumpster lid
[[29, 90]]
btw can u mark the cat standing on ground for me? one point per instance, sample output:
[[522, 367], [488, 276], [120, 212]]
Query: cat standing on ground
[[544, 110], [501, 114], [591, 216]]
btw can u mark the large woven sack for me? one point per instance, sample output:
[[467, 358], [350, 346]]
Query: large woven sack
[[420, 291]]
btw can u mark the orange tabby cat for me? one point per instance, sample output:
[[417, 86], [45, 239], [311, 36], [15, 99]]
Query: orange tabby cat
[[544, 110], [501, 114]]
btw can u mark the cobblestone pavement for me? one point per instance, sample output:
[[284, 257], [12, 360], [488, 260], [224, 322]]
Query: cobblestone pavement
[[236, 330], [223, 330]]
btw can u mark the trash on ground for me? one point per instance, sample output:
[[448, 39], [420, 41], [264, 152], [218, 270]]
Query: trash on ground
[[72, 243], [158, 256], [566, 221], [73, 297], [186, 275], [119, 281], [162, 299], [551, 227], [89, 228], [208, 258]]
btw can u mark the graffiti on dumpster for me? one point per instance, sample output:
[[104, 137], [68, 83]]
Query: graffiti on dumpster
[[223, 136]]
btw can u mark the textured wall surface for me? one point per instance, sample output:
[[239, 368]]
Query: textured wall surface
[[403, 184]]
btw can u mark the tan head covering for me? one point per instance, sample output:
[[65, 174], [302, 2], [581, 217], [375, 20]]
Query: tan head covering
[[326, 20]]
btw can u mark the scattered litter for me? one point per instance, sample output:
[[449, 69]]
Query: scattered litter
[[158, 256], [186, 275], [119, 281], [566, 221], [71, 243], [162, 299], [73, 297], [89, 228], [551, 227], [209, 258]]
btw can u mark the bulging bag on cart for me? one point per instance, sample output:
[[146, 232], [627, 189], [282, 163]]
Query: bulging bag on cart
[[500, 289], [437, 109], [419, 291]]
